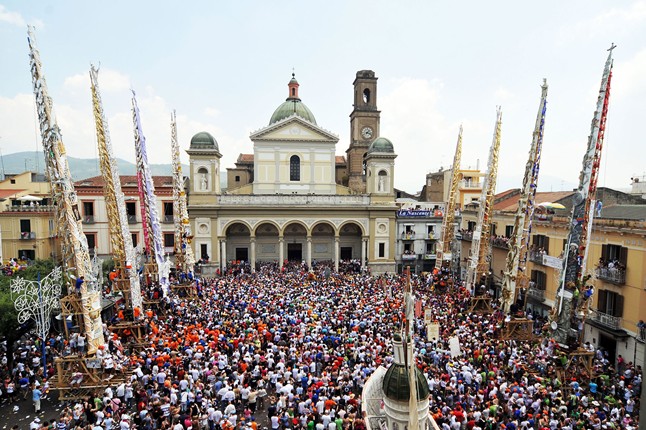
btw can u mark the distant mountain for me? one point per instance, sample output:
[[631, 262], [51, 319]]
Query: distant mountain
[[81, 168]]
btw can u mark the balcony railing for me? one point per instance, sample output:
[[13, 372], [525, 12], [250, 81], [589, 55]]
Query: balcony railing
[[88, 219], [292, 199], [536, 294], [27, 235], [168, 219], [26, 208], [132, 219], [608, 320], [500, 242], [409, 257], [408, 236], [536, 256], [612, 275], [466, 235], [469, 184]]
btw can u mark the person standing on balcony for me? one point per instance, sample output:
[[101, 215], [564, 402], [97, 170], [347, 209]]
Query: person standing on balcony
[[641, 325]]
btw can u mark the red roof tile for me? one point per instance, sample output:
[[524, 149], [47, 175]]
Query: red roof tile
[[339, 159], [8, 193], [245, 158], [507, 201]]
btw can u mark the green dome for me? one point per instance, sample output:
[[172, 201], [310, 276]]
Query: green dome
[[381, 144], [290, 107], [204, 140], [396, 387]]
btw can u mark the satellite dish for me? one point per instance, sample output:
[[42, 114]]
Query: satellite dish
[[554, 325]]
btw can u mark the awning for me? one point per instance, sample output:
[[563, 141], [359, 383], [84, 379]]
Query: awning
[[29, 198]]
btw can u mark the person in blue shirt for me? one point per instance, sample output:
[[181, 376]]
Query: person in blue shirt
[[36, 394], [79, 282]]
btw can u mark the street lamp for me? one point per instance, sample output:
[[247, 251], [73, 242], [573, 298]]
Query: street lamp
[[36, 299]]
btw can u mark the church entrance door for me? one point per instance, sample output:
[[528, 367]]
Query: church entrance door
[[242, 254], [295, 251]]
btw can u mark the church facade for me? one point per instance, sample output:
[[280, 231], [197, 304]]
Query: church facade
[[294, 199]]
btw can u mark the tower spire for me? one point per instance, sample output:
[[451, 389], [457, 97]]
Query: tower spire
[[293, 88]]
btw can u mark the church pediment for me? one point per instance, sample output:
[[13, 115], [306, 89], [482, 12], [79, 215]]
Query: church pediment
[[294, 128]]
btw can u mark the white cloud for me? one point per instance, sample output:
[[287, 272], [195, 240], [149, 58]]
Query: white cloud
[[631, 75], [211, 112], [613, 21], [13, 18], [422, 136], [18, 124], [75, 118]]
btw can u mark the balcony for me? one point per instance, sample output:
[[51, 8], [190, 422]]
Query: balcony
[[132, 219], [465, 235], [26, 208], [408, 236], [470, 185], [167, 219], [612, 275], [500, 242], [430, 256], [409, 257], [536, 294], [88, 219], [536, 256], [607, 320], [27, 235], [292, 200]]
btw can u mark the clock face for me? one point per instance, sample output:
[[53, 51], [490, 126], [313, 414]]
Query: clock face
[[366, 132]]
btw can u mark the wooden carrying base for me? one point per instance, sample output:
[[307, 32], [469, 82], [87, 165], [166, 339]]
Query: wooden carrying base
[[579, 365], [518, 329], [185, 290], [480, 305], [94, 377], [132, 333]]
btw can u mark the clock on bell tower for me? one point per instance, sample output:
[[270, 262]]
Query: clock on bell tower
[[364, 127]]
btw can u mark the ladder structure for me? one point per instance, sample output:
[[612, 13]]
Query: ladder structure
[[443, 251], [481, 244]]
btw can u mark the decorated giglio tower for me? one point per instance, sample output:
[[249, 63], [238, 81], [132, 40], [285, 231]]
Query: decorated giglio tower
[[149, 203], [514, 276], [481, 244], [120, 237], [443, 250], [76, 255], [184, 258], [567, 316]]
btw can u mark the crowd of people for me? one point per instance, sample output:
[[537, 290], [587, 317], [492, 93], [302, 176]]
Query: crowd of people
[[292, 349]]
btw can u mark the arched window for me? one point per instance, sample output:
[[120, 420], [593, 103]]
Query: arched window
[[294, 168], [366, 96], [364, 166], [293, 92]]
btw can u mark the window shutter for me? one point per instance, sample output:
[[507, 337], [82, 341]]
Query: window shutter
[[619, 306], [601, 302], [623, 255]]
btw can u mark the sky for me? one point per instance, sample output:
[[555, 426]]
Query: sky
[[224, 67]]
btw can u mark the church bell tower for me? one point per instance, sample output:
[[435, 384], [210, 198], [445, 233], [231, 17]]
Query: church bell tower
[[364, 128]]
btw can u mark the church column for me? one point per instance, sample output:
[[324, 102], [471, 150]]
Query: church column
[[252, 252], [281, 252], [364, 246], [223, 255], [308, 256], [336, 253]]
